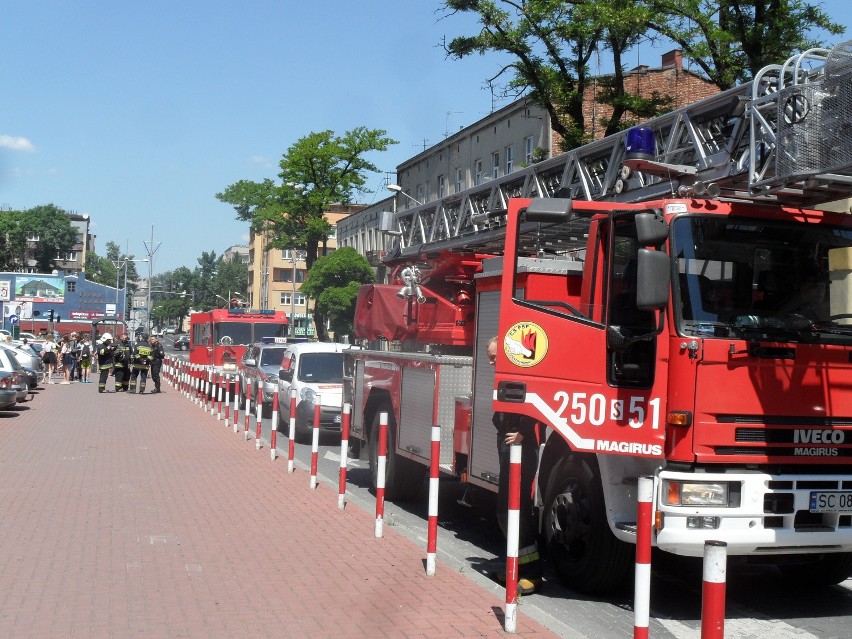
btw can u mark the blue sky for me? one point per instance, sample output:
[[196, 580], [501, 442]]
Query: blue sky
[[139, 113]]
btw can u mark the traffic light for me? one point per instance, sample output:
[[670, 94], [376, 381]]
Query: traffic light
[[58, 319], [50, 315]]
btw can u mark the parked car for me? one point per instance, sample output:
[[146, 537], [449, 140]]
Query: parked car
[[8, 394], [29, 358], [315, 371], [259, 365], [182, 343], [10, 363]]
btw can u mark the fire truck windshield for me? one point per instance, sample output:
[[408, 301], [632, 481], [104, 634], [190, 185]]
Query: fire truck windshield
[[247, 333], [758, 279]]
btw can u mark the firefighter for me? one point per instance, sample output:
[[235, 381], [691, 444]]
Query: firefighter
[[121, 364], [140, 362], [157, 356], [106, 349], [518, 429]]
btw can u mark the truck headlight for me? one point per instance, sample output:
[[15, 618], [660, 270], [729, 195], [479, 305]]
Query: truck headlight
[[690, 493]]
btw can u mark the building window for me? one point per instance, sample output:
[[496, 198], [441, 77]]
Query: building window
[[421, 193], [495, 164], [70, 286], [300, 299], [70, 256], [528, 150], [285, 298], [459, 181], [510, 159], [441, 184], [333, 234], [477, 173], [32, 237]]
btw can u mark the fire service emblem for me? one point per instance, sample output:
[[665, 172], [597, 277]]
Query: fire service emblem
[[525, 344]]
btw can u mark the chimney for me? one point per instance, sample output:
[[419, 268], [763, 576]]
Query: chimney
[[673, 58]]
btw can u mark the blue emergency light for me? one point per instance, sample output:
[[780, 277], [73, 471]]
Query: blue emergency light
[[640, 144]]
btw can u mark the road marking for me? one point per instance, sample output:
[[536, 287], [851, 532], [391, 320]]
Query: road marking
[[357, 463], [740, 627]]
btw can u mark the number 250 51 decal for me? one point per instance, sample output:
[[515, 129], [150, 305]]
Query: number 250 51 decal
[[595, 409]]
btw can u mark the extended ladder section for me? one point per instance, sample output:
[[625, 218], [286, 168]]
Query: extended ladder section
[[784, 138]]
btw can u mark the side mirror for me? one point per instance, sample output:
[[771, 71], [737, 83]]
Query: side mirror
[[651, 229], [250, 362], [653, 279], [285, 375]]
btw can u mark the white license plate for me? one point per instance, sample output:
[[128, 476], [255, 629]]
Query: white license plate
[[836, 501]]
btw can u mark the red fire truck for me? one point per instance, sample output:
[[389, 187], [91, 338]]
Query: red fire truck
[[668, 302], [220, 337]]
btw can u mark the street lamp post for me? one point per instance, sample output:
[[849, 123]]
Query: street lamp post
[[294, 255], [117, 264], [396, 188]]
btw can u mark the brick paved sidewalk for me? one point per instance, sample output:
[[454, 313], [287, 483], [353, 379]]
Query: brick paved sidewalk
[[126, 515]]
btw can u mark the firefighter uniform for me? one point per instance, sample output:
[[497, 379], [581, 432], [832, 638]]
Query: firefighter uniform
[[105, 360], [140, 362], [157, 357], [121, 364]]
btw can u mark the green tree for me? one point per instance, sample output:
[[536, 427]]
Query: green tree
[[231, 278], [318, 170], [731, 40], [550, 43], [333, 281], [49, 223]]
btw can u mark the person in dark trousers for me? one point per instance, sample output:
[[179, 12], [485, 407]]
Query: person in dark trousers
[[140, 362], [106, 349], [121, 364], [157, 357], [518, 429]]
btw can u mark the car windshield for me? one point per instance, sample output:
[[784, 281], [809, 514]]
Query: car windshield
[[321, 368], [756, 279], [271, 356]]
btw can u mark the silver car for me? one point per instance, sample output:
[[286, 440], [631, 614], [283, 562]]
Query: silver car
[[9, 363], [28, 357]]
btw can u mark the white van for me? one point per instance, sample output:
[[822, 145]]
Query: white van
[[315, 371]]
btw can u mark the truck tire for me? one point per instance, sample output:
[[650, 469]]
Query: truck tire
[[577, 537], [828, 570], [403, 477]]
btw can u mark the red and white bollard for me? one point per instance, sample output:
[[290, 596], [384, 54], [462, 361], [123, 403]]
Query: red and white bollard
[[315, 442], [259, 409], [434, 474], [227, 401], [713, 591], [273, 434], [642, 578], [344, 452], [220, 392], [248, 413], [512, 538], [380, 472], [236, 404], [291, 444]]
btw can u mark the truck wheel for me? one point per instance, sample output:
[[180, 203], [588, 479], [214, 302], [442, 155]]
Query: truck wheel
[[585, 553], [829, 570], [403, 478]]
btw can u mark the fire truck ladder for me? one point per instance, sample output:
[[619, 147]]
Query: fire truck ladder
[[784, 138]]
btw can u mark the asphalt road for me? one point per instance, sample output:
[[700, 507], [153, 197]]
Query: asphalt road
[[759, 603]]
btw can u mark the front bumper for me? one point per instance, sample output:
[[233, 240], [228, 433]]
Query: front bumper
[[772, 515], [329, 417]]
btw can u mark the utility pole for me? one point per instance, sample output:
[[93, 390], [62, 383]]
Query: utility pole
[[150, 249]]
